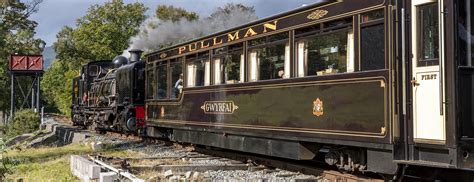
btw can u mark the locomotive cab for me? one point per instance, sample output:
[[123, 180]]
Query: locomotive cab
[[130, 81]]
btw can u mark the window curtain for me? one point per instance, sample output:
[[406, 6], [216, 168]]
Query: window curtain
[[242, 68], [350, 51], [207, 73], [217, 72], [301, 58], [253, 66], [191, 80], [287, 61]]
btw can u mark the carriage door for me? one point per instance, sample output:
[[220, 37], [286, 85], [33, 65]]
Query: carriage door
[[428, 119]]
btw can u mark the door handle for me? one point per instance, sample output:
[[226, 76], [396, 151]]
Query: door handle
[[414, 82]]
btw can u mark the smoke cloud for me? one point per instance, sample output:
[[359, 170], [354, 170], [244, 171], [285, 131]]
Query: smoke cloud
[[155, 34]]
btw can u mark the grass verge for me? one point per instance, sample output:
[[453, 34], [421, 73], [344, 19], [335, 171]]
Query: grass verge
[[50, 164]]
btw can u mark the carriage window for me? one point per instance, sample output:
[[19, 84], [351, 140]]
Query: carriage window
[[372, 16], [466, 32], [162, 85], [326, 51], [151, 83], [428, 46], [270, 57], [372, 44], [229, 64], [198, 70], [176, 67]]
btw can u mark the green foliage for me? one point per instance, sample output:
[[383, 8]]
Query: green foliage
[[104, 31], [58, 169], [6, 163], [16, 36], [45, 164], [53, 83], [26, 121], [101, 34], [174, 14]]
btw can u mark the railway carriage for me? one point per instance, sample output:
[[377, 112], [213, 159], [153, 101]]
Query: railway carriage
[[372, 85]]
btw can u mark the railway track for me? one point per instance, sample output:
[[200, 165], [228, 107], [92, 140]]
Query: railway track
[[206, 162], [311, 168], [237, 161]]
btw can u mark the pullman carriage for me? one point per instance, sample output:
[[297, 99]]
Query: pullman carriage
[[368, 84]]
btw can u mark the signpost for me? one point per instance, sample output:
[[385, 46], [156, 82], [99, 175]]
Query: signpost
[[26, 66]]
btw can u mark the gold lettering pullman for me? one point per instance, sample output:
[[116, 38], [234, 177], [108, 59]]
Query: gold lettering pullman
[[229, 37]]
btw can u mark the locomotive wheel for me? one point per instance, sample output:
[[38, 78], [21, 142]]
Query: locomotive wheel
[[131, 123]]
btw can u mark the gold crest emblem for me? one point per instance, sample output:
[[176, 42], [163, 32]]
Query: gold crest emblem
[[318, 108], [163, 55], [316, 15]]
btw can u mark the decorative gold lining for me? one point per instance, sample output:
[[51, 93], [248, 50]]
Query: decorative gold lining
[[271, 86], [316, 15], [163, 55], [288, 129], [332, 82]]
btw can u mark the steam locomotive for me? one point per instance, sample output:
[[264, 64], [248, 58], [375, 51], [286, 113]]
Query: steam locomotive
[[374, 85], [110, 95]]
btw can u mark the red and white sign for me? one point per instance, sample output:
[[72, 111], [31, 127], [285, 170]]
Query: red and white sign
[[26, 63]]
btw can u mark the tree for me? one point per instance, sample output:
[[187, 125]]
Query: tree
[[174, 14], [16, 36], [105, 30], [101, 34]]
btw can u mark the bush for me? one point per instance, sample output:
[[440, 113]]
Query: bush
[[26, 121]]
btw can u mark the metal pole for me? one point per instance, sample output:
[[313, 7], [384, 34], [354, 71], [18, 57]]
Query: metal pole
[[33, 93], [42, 116], [38, 91], [12, 96]]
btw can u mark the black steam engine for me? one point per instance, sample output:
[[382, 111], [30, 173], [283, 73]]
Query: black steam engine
[[109, 95]]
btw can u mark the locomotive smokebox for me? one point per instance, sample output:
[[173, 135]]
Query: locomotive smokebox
[[135, 55]]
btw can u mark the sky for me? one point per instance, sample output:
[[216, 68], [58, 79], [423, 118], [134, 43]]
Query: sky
[[53, 15]]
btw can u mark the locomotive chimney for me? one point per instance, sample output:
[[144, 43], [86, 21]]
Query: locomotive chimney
[[135, 55]]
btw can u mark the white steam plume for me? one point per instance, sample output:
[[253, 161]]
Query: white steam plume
[[155, 34]]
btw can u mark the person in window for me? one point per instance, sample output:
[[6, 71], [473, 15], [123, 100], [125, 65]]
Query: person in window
[[281, 73], [178, 87]]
